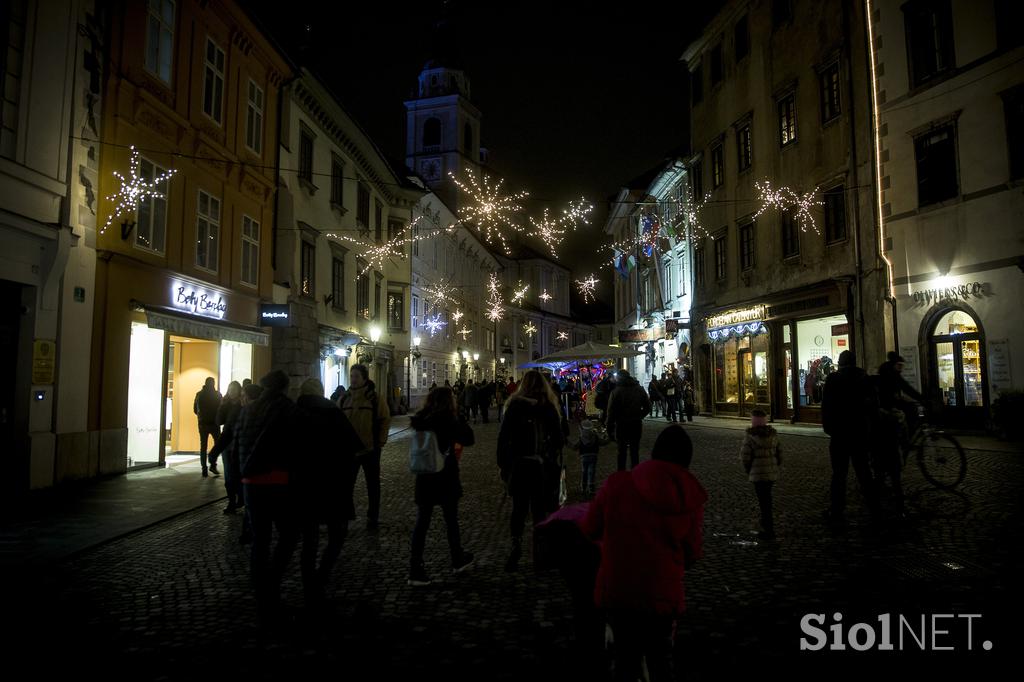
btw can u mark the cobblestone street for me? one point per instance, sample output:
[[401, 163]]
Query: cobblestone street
[[172, 601]]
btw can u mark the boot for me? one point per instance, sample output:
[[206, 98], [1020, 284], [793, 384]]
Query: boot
[[513, 558]]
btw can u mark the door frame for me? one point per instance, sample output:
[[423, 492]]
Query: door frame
[[961, 415]]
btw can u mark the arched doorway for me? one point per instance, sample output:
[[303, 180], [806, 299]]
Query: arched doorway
[[956, 350]]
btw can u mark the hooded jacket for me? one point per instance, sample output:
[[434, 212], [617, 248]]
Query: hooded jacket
[[760, 454], [628, 404], [532, 431], [358, 406], [650, 522]]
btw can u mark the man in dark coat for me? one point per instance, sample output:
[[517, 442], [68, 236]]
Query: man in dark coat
[[484, 394], [205, 406], [603, 392], [470, 399], [848, 407], [627, 407]]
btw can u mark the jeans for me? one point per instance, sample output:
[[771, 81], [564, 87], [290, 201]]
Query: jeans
[[267, 507], [419, 532], [763, 489], [589, 465], [204, 431], [314, 579], [843, 451], [628, 436], [370, 463], [673, 408], [640, 636]]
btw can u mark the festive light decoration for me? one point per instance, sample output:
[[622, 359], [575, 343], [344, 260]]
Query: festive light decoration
[[495, 307], [439, 294], [376, 254], [434, 324], [529, 329], [785, 198], [134, 189], [545, 296], [457, 315], [552, 231], [465, 332], [563, 336], [520, 292], [587, 287], [490, 210]]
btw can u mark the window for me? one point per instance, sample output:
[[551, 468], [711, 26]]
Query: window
[[744, 147], [667, 285], [1013, 102], [720, 257], [13, 19], [254, 119], [363, 210], [929, 28], [935, 152], [790, 235], [363, 290], [338, 283], [829, 79], [717, 166], [378, 227], [697, 83], [835, 215], [151, 222], [160, 39], [378, 298], [782, 12], [337, 182], [305, 155], [207, 232], [415, 311], [307, 275], [250, 251], [742, 39], [787, 120], [747, 246], [394, 229], [213, 81], [396, 311], [432, 133], [697, 179], [717, 67], [416, 240]]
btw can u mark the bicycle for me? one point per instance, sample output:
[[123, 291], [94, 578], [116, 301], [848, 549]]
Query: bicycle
[[940, 456]]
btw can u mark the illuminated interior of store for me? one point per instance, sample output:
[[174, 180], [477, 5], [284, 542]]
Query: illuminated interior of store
[[819, 343], [957, 354]]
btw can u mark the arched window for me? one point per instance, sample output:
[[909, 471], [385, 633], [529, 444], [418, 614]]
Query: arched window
[[432, 133], [468, 139]]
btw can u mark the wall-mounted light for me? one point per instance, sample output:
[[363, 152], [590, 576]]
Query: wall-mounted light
[[375, 333], [476, 356]]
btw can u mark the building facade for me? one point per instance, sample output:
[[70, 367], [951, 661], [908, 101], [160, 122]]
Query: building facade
[[950, 99], [789, 274], [50, 81], [181, 277], [336, 187]]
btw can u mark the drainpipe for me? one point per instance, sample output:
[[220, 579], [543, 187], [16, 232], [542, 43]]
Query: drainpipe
[[858, 256]]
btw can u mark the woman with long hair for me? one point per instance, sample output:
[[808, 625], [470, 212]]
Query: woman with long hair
[[444, 488], [530, 455]]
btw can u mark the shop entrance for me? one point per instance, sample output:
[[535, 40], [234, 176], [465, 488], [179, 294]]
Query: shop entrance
[[958, 368]]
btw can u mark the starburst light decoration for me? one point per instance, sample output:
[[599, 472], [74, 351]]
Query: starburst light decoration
[[134, 189], [376, 254], [563, 336], [552, 231], [439, 294], [520, 292], [457, 315], [495, 309], [529, 329], [465, 331], [784, 198], [434, 324], [545, 296], [587, 287], [492, 212]]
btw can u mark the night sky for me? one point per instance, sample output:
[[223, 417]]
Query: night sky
[[576, 100]]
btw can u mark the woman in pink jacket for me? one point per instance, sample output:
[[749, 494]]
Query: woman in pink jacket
[[650, 524]]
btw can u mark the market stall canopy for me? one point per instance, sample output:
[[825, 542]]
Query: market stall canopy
[[589, 351], [542, 364]]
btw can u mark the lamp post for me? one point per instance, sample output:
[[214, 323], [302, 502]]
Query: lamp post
[[476, 358], [414, 353], [465, 363]]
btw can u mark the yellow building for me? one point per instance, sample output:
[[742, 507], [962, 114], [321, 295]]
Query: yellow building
[[193, 87]]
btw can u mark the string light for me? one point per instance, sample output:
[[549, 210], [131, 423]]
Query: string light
[[375, 254], [529, 329], [784, 199], [496, 308], [552, 231], [465, 332], [563, 336], [587, 287], [457, 315], [520, 293], [489, 209], [545, 296], [439, 294], [434, 324], [134, 189]]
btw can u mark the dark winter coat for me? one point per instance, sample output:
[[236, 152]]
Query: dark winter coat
[[469, 395], [848, 404], [650, 522], [445, 486], [603, 390], [325, 450], [653, 392], [892, 386], [484, 394], [530, 441], [227, 417], [264, 435], [628, 405], [206, 404]]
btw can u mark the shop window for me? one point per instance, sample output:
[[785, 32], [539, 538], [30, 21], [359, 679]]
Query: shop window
[[254, 119], [787, 120], [829, 81], [697, 83], [207, 232], [935, 156], [160, 39], [338, 283], [929, 29], [151, 219], [835, 215], [819, 343], [717, 166], [307, 275], [957, 356], [250, 251], [744, 147], [741, 36], [213, 81], [396, 311]]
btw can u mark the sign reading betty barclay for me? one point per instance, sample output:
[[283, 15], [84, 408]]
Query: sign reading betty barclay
[[198, 301]]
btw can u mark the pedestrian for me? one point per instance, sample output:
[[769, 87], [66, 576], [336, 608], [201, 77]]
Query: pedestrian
[[233, 467], [433, 385], [512, 387], [689, 399], [589, 446], [447, 384], [227, 416], [205, 406], [848, 406], [530, 456], [470, 400], [656, 398], [325, 463], [264, 442], [671, 392], [500, 395], [443, 488], [337, 393], [367, 411], [602, 393], [649, 522], [894, 422], [484, 395], [627, 407], [761, 459]]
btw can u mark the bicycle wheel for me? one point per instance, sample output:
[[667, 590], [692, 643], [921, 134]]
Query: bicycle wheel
[[942, 460]]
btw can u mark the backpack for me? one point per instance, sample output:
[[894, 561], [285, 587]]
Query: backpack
[[425, 457]]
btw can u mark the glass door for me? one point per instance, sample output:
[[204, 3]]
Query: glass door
[[945, 365], [748, 381], [959, 374]]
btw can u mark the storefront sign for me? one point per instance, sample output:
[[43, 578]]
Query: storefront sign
[[639, 335], [910, 372], [999, 376], [737, 330], [272, 315], [734, 317], [962, 292], [44, 357], [198, 301]]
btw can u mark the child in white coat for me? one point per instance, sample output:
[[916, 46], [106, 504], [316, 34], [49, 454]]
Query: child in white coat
[[762, 458]]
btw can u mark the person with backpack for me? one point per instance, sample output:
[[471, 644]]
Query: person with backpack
[[530, 456], [438, 430], [367, 411], [205, 406], [761, 459], [324, 464], [627, 407], [589, 446]]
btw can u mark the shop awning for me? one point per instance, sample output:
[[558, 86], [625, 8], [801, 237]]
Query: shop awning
[[198, 328]]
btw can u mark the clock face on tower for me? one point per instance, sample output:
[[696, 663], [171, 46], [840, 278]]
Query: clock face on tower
[[430, 169]]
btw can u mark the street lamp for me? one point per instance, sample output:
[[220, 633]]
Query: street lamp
[[375, 334], [414, 353]]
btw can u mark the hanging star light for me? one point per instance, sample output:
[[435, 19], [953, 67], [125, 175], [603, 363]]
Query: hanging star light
[[784, 198], [563, 336], [457, 315], [529, 329], [439, 294], [393, 249], [520, 292], [552, 231], [488, 209], [465, 331], [434, 324], [587, 287], [495, 306], [545, 296], [134, 189]]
